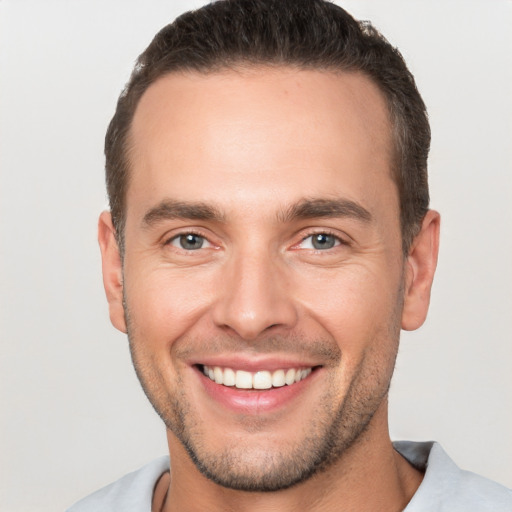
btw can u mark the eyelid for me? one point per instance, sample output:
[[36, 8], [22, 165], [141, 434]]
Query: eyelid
[[340, 238], [176, 234], [206, 243]]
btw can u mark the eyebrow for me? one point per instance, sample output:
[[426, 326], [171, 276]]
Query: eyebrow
[[326, 208], [304, 209], [169, 209]]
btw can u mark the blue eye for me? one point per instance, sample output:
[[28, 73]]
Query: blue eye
[[320, 241], [190, 242]]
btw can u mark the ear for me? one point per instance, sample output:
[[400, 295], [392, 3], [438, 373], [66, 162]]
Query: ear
[[112, 270], [419, 272]]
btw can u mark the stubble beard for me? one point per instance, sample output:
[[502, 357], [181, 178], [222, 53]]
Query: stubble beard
[[330, 433]]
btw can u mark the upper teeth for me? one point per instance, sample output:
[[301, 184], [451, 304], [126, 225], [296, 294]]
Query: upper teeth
[[255, 380]]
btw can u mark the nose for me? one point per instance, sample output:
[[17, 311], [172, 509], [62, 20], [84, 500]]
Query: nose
[[255, 297]]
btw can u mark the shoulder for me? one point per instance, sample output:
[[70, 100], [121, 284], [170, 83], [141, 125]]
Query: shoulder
[[446, 487], [132, 492]]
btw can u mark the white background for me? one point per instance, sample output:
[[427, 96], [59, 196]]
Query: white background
[[73, 417]]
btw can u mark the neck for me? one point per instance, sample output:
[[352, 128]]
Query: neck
[[369, 476]]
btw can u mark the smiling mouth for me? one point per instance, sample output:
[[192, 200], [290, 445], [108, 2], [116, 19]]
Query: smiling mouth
[[263, 379]]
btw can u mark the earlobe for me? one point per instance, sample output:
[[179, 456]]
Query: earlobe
[[419, 273], [112, 270]]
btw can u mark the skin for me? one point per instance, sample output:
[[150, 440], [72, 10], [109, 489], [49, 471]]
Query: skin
[[252, 147]]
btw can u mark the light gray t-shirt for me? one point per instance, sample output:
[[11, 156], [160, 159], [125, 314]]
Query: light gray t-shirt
[[445, 487]]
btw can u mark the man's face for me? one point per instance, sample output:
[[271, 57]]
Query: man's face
[[263, 247]]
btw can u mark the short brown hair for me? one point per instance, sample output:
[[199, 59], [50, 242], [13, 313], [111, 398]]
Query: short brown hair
[[307, 34]]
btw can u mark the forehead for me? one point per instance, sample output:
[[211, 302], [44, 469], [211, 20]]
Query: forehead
[[259, 131]]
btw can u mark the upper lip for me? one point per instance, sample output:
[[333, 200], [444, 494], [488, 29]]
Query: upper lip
[[254, 363]]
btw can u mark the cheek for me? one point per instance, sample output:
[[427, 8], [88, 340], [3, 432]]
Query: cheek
[[355, 305], [360, 312], [164, 304]]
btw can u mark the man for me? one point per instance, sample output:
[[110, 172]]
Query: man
[[269, 236]]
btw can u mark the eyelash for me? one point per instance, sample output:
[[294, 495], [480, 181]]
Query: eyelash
[[198, 234], [338, 240]]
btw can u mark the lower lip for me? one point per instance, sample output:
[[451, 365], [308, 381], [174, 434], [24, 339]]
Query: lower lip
[[255, 401]]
